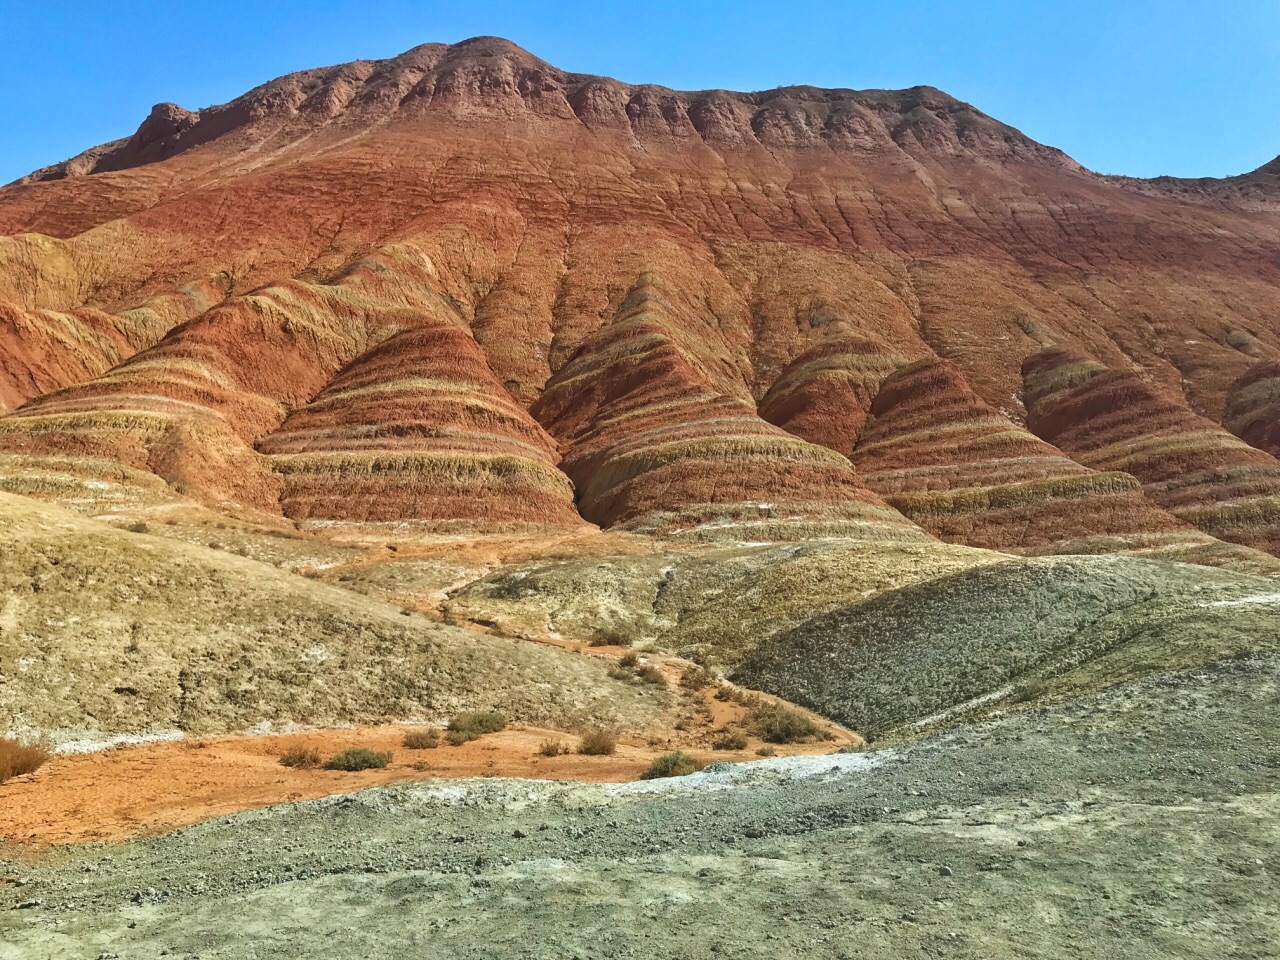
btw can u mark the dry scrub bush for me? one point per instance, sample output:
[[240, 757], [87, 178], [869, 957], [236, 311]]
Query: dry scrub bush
[[358, 758], [598, 743], [303, 758], [615, 636], [697, 678], [775, 723], [553, 748], [731, 738], [648, 673], [427, 739], [476, 723], [675, 764], [629, 661], [18, 758]]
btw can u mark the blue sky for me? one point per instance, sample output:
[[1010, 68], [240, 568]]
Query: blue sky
[[1141, 88]]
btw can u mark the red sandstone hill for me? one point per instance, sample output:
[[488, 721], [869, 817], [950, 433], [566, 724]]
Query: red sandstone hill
[[464, 286]]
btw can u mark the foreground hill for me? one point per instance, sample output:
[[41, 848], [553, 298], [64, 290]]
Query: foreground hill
[[1124, 824], [464, 288], [107, 632], [985, 638]]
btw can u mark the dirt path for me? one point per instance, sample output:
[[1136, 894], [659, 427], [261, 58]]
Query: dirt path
[[134, 791]]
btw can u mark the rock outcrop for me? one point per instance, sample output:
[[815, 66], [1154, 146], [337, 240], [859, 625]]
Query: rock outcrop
[[825, 395], [1253, 407]]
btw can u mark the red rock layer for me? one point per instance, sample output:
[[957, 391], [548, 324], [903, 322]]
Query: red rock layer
[[653, 444], [966, 473], [1253, 407], [189, 408], [49, 340], [1113, 420], [825, 395], [419, 428]]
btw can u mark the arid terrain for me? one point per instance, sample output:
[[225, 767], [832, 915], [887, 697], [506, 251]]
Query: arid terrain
[[908, 491]]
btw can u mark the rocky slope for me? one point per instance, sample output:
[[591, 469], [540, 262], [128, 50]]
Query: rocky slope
[[419, 428], [655, 440], [1253, 407], [995, 636]]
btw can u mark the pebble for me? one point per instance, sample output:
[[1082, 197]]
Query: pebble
[[944, 871]]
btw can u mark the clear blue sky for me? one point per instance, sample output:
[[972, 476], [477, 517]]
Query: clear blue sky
[[1141, 88]]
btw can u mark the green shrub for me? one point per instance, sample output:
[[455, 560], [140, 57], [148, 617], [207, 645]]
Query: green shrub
[[675, 764], [598, 742], [358, 758], [775, 723], [478, 722], [731, 738], [303, 758], [466, 727], [427, 739]]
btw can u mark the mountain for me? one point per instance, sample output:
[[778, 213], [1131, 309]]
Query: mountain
[[462, 289]]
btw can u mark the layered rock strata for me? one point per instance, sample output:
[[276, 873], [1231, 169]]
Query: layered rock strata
[[1109, 419]]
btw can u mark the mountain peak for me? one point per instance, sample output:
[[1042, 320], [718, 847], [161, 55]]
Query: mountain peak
[[492, 79]]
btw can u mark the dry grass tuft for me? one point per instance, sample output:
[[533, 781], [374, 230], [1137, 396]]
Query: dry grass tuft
[[775, 723], [731, 738], [697, 678], [301, 758], [17, 758], [615, 636], [598, 742], [427, 739], [648, 673], [553, 748]]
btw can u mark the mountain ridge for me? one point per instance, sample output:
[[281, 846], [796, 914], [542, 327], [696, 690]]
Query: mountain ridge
[[436, 70]]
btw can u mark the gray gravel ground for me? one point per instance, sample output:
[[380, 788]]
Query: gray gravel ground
[[1140, 822]]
